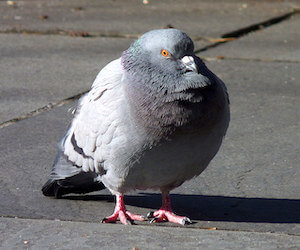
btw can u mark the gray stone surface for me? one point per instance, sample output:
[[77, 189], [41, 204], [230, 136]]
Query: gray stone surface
[[36, 234], [251, 185], [276, 43], [198, 18], [38, 70]]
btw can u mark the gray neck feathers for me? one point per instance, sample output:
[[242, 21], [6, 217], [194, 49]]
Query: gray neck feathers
[[160, 102]]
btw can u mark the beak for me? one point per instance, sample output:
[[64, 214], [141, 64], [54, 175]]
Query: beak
[[189, 63]]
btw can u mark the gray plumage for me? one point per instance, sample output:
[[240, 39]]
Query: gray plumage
[[150, 121]]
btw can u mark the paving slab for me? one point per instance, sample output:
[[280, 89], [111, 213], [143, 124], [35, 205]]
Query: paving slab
[[279, 42], [43, 234], [37, 70], [251, 185], [198, 18]]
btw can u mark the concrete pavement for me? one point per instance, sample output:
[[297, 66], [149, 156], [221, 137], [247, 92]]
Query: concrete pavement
[[249, 193], [45, 234]]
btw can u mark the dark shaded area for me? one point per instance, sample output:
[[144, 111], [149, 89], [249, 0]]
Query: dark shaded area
[[216, 208]]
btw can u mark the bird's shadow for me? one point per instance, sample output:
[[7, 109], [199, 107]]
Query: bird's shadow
[[216, 208]]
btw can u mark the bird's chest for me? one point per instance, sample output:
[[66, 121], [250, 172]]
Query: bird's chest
[[173, 161], [182, 151], [183, 155]]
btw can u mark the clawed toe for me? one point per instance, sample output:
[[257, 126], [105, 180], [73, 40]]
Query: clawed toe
[[168, 216], [150, 215], [134, 217], [122, 214], [165, 215], [125, 218], [186, 221], [157, 219]]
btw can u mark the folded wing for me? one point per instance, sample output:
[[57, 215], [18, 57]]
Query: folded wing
[[85, 146]]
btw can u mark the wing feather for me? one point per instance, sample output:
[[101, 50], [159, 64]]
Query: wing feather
[[95, 120]]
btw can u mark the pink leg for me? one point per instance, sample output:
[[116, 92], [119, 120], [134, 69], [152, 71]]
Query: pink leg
[[165, 213], [121, 213]]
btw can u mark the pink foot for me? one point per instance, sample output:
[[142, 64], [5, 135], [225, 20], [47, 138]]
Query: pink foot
[[165, 213], [121, 213]]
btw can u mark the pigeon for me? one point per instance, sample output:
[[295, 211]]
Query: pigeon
[[153, 119]]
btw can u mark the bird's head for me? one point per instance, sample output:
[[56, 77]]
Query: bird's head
[[162, 56]]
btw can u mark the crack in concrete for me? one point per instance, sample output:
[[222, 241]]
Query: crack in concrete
[[241, 177], [47, 107], [259, 26], [85, 34], [72, 33], [235, 35], [204, 58]]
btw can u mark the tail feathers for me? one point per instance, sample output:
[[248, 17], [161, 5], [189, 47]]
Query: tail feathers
[[68, 178], [81, 183]]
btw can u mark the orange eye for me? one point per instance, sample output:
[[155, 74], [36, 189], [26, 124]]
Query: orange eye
[[164, 52]]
